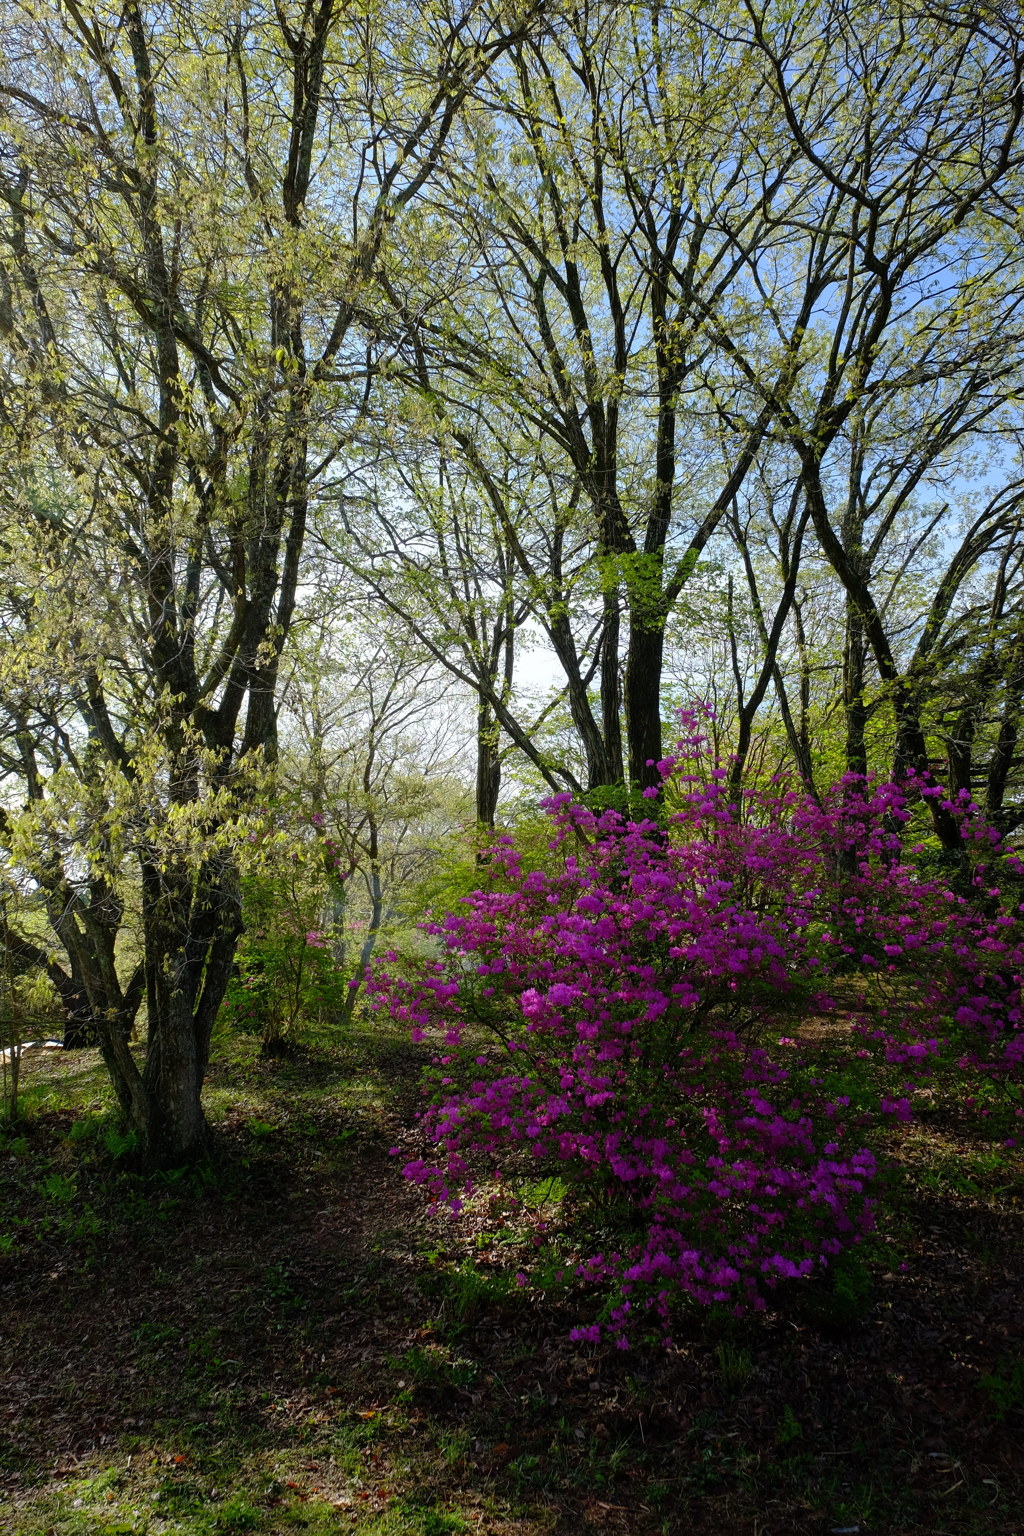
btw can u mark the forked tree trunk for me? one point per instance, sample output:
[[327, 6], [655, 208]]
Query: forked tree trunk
[[188, 963]]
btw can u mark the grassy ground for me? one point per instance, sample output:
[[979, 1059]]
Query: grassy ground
[[294, 1344]]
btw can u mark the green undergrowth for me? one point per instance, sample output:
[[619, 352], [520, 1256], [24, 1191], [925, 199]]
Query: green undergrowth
[[285, 1340]]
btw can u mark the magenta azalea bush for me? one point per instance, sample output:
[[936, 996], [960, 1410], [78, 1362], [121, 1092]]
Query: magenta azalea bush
[[626, 1017]]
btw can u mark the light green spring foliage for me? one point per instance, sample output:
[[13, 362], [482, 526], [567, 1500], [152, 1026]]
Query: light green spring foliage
[[546, 324], [678, 263], [196, 203]]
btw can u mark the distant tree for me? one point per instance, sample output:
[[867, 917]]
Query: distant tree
[[374, 751], [472, 545]]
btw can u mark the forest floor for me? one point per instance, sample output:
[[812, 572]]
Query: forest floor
[[294, 1343]]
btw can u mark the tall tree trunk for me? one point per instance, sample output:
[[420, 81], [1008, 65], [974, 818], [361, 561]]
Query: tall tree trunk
[[611, 690], [644, 664], [1003, 755], [854, 707], [488, 766]]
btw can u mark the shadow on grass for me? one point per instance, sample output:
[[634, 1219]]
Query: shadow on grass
[[289, 1341]]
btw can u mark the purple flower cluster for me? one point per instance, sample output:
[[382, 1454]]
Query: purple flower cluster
[[617, 1017]]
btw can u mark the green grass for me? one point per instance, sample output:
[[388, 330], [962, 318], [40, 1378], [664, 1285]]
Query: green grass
[[288, 1342]]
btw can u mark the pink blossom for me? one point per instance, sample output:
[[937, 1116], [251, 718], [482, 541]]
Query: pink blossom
[[633, 993]]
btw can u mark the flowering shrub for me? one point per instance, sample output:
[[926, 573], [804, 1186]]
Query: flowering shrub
[[627, 1016]]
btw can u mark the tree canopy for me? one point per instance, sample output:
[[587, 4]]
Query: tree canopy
[[679, 346]]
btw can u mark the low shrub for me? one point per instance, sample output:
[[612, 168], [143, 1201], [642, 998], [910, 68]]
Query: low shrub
[[625, 1018]]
